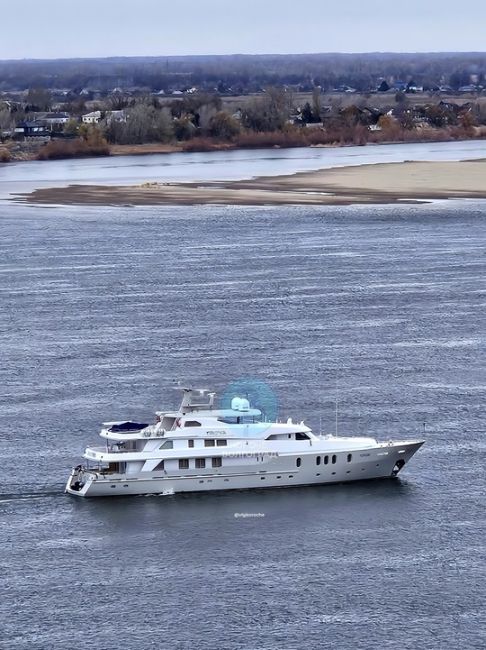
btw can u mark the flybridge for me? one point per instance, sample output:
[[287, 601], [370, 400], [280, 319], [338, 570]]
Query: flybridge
[[239, 405], [189, 395]]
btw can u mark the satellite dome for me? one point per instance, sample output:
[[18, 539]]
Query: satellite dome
[[244, 404], [236, 403]]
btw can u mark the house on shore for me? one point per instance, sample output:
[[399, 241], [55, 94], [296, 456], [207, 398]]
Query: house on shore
[[92, 118], [95, 117], [55, 121], [52, 121], [29, 129]]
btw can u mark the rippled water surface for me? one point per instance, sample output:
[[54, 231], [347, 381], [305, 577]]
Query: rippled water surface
[[104, 309]]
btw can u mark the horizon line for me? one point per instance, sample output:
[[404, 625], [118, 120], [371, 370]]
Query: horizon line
[[240, 54]]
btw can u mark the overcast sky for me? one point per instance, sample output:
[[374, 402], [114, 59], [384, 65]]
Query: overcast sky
[[93, 28]]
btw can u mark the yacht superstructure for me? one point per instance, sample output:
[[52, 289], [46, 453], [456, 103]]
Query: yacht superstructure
[[200, 448]]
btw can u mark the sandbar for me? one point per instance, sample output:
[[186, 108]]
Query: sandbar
[[361, 184]]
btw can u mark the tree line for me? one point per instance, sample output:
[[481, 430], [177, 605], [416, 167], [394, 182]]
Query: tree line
[[240, 74], [200, 122]]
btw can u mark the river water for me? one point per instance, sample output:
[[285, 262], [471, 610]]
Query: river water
[[103, 309], [219, 165]]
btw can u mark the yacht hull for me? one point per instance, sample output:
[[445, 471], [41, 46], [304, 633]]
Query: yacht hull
[[286, 470]]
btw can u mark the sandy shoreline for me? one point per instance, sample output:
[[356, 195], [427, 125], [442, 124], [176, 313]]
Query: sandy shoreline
[[378, 183]]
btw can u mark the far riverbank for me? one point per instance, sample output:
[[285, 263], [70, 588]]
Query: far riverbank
[[30, 150]]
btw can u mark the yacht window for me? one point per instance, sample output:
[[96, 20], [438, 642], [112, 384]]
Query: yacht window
[[168, 423], [168, 444], [326, 460], [216, 462], [192, 423], [209, 443], [184, 463], [350, 457], [301, 436], [190, 443], [221, 443], [240, 419], [298, 462], [318, 460], [200, 463], [333, 459], [158, 467]]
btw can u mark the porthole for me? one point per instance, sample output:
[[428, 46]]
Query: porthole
[[326, 460], [298, 462], [317, 474], [113, 486], [333, 460], [201, 481], [262, 478], [350, 457], [125, 485], [318, 460], [348, 472], [291, 476], [279, 477], [333, 472]]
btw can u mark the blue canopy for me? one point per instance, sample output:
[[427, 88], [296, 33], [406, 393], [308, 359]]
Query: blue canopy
[[121, 427]]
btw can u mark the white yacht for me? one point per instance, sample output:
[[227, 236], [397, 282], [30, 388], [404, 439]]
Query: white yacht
[[200, 448]]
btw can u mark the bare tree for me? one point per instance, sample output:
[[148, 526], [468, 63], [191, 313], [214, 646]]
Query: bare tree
[[316, 103], [205, 115], [39, 99], [144, 123], [270, 112], [6, 120], [223, 125]]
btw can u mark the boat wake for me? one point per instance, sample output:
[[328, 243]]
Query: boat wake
[[6, 498]]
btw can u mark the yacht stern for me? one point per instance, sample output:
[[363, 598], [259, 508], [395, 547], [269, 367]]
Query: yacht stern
[[79, 481]]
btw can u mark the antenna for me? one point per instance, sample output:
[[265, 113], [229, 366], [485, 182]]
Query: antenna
[[337, 402]]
